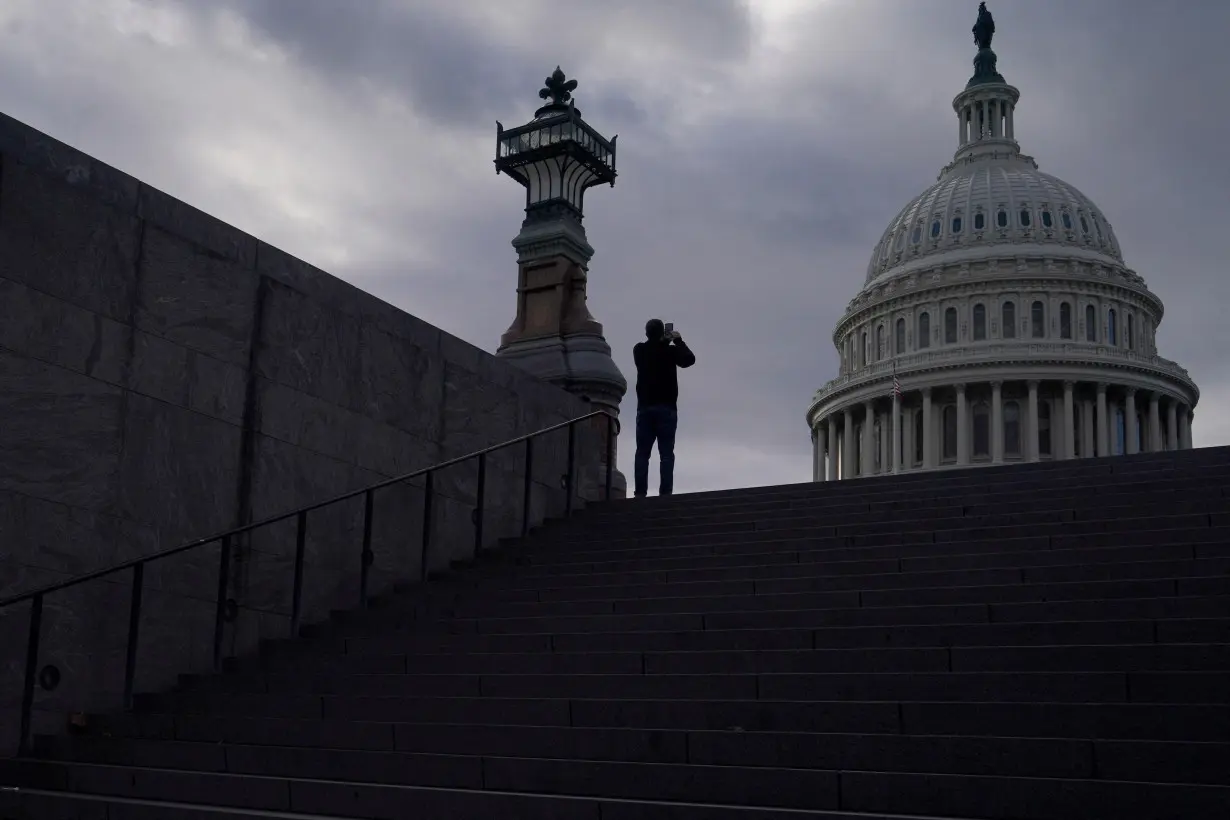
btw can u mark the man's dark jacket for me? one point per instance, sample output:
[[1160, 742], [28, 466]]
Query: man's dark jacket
[[657, 381]]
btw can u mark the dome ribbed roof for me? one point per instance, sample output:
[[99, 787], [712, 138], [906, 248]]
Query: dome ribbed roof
[[1017, 203]]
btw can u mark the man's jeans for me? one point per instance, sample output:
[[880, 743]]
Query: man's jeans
[[655, 423]]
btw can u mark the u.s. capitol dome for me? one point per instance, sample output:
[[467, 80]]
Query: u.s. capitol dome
[[998, 322]]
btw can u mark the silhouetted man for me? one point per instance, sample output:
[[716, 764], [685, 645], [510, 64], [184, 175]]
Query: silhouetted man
[[657, 396]]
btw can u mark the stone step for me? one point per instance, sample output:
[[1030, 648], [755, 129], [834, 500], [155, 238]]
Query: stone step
[[558, 531], [1058, 687], [1000, 658], [1150, 599], [567, 543], [503, 778], [972, 484], [384, 651], [1052, 583], [370, 722], [444, 754], [1014, 553]]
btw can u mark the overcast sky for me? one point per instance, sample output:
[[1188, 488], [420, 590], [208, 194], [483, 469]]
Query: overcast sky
[[763, 148]]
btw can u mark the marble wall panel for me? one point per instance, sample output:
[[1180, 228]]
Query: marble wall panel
[[48, 328], [180, 219], [67, 165], [61, 433], [193, 297], [476, 414], [400, 384], [179, 469], [309, 346], [216, 388], [65, 242], [45, 535]]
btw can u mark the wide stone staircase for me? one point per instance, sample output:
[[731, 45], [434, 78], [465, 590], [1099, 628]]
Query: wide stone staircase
[[1036, 642]]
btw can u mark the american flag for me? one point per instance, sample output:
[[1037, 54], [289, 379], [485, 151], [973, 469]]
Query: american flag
[[896, 386]]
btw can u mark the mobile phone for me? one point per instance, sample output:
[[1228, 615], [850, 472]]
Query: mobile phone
[[670, 328]]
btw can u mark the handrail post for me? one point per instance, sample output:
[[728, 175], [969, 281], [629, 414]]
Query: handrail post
[[428, 491], [296, 600], [572, 457], [480, 495], [27, 692], [224, 569], [610, 455], [366, 557], [134, 630], [529, 483]]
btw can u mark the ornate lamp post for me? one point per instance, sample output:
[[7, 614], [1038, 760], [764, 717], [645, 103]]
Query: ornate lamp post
[[557, 157]]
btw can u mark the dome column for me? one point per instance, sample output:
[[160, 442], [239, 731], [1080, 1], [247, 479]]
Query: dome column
[[1172, 425], [997, 422], [1185, 428], [833, 447], [1032, 450], [895, 444], [868, 449], [963, 430], [1069, 421], [928, 431], [1090, 444], [1103, 422], [1129, 414], [1154, 443], [847, 450]]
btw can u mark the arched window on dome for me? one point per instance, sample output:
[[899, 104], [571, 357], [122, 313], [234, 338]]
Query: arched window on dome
[[1131, 331], [924, 330], [1047, 221], [880, 351], [980, 221], [982, 430], [1091, 324], [919, 436], [935, 229], [1044, 428], [950, 326], [1026, 218], [1067, 221], [980, 323], [1037, 320], [917, 236], [956, 225], [1012, 429], [1001, 218], [1008, 320], [1084, 225], [900, 336], [1112, 332], [950, 433], [1065, 320]]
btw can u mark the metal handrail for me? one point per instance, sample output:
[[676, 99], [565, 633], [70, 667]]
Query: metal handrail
[[137, 565]]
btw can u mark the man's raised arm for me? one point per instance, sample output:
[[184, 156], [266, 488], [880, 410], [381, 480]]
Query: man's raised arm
[[684, 357]]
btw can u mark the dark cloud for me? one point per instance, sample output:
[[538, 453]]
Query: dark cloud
[[758, 164]]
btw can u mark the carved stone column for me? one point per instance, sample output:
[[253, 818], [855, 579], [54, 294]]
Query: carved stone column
[[895, 430], [1069, 420], [1103, 422], [997, 422], [1155, 424], [1089, 443], [1031, 449], [848, 468], [834, 447], [1185, 428], [963, 430], [1129, 412], [928, 431], [1172, 425], [868, 448]]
